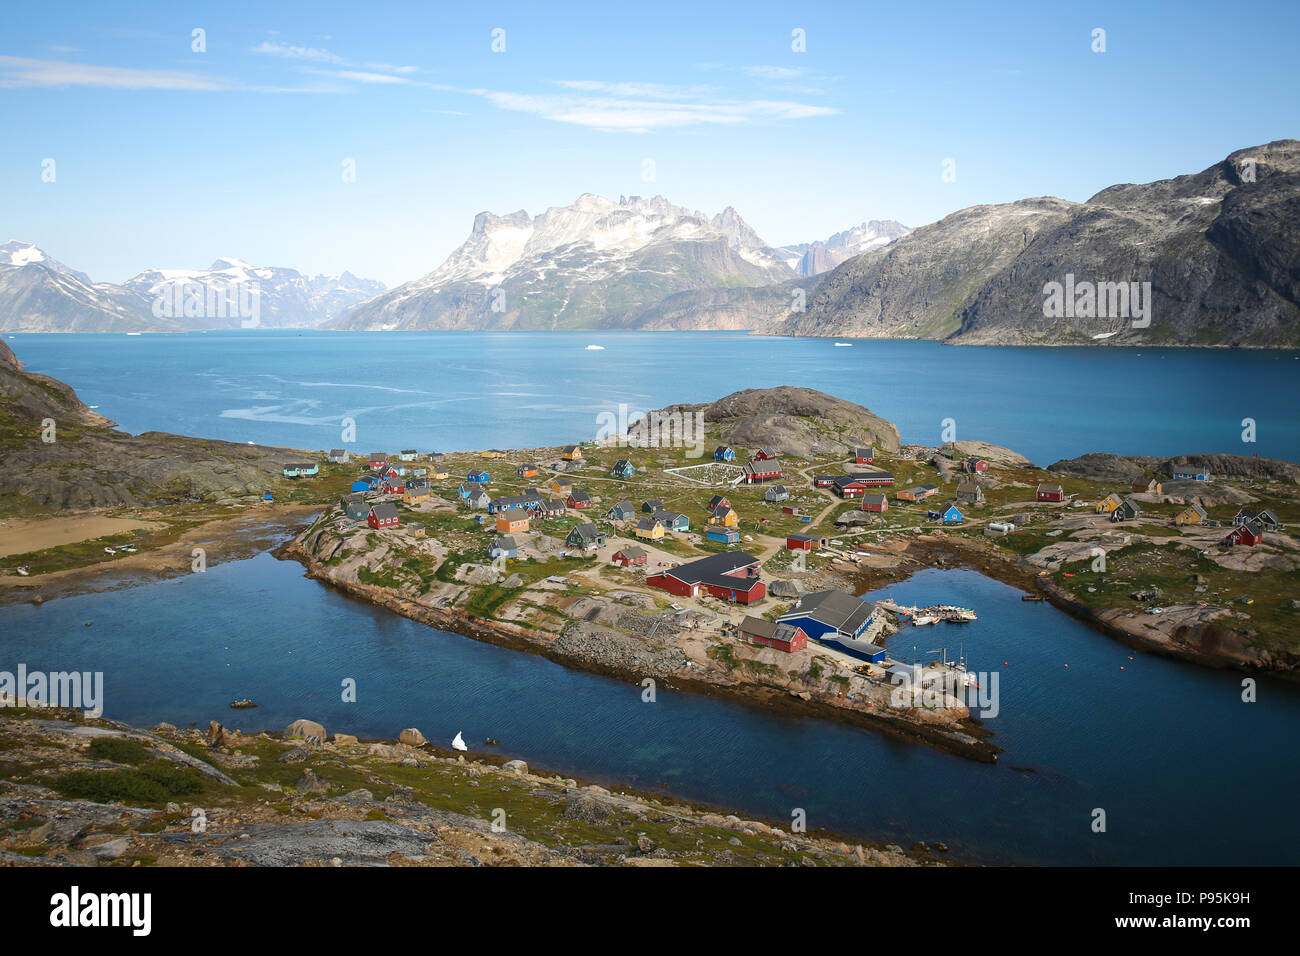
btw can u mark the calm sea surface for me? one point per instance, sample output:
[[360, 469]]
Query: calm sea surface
[[1185, 771], [451, 391]]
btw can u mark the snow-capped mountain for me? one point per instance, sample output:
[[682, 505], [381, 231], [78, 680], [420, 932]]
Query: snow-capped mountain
[[233, 293], [814, 258], [40, 294], [592, 263]]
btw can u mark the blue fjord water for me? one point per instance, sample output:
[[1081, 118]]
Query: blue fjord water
[[451, 391], [1186, 772]]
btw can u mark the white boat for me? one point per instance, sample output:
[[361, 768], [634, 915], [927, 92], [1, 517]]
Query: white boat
[[844, 345], [458, 742], [23, 571], [595, 348], [921, 620], [109, 551]]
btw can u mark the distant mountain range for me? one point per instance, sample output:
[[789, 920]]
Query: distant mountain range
[[41, 294], [1211, 258]]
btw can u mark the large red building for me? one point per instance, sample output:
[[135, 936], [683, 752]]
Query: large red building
[[730, 576]]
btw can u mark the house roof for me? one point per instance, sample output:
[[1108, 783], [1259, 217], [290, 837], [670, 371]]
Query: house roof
[[587, 532], [777, 489], [580, 496], [647, 523], [874, 499], [385, 510], [632, 551], [554, 504], [335, 452], [970, 488], [838, 609], [869, 452], [505, 543], [624, 505], [805, 537], [514, 514], [713, 569], [1051, 488], [719, 529], [569, 449]]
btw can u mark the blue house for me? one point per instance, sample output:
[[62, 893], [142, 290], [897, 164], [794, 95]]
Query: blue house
[[1193, 474], [367, 483], [719, 533], [838, 619], [623, 469], [480, 477], [724, 453], [468, 488], [952, 514]]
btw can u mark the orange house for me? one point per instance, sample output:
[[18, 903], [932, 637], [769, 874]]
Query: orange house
[[512, 519]]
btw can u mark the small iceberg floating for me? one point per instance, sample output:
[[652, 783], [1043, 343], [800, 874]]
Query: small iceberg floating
[[595, 348], [458, 742], [844, 345]]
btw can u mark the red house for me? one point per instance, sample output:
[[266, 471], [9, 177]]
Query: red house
[[578, 499], [762, 469], [378, 460], [783, 637], [865, 456], [1051, 493], [974, 465], [629, 556], [823, 481], [729, 576], [1249, 535], [804, 542], [383, 516], [763, 454], [789, 510], [876, 503]]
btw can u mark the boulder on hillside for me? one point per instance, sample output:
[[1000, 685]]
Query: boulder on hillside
[[307, 730], [411, 737]]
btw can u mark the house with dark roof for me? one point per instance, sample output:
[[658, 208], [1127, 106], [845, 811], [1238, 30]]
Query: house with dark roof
[[729, 576], [724, 453], [804, 542], [651, 505], [513, 519], [760, 470], [503, 547], [1047, 492], [673, 520], [776, 493], [1128, 510], [774, 634], [623, 511], [1192, 514], [629, 556], [1248, 535], [585, 536], [874, 502], [717, 500], [970, 492], [571, 452], [339, 456], [917, 492], [527, 470], [355, 507], [578, 500], [864, 456], [649, 529], [383, 516], [623, 468], [1265, 518]]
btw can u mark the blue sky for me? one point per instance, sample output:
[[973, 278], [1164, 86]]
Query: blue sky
[[166, 157]]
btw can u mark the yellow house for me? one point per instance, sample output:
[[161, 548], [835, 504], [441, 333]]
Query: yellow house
[[561, 486], [419, 494], [1109, 504], [439, 474], [724, 516], [571, 452], [649, 529], [1192, 514], [494, 453]]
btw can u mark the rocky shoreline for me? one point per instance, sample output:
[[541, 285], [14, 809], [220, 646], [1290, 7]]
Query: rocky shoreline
[[93, 792]]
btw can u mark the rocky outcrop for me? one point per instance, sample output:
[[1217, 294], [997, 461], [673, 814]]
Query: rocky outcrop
[[1102, 466], [790, 420]]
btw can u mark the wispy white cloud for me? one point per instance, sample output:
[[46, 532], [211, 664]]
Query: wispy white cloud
[[624, 111], [775, 72], [19, 72], [290, 52]]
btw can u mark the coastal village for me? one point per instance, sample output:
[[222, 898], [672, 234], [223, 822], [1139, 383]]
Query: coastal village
[[741, 570]]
